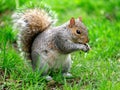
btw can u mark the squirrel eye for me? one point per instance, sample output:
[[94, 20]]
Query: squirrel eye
[[78, 32]]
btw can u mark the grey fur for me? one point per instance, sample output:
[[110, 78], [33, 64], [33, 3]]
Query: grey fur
[[54, 47]]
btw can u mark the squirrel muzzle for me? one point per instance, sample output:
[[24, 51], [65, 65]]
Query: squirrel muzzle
[[86, 40], [83, 40]]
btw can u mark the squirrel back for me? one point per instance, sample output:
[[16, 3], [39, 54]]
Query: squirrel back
[[29, 24]]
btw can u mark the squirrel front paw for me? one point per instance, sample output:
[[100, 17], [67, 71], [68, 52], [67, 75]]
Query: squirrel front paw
[[86, 48]]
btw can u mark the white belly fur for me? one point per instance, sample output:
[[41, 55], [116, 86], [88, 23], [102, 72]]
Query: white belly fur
[[55, 60]]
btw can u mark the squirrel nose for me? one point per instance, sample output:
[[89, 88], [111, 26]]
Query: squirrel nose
[[86, 40]]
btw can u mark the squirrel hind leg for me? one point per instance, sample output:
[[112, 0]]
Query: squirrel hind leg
[[67, 64], [66, 67], [39, 64]]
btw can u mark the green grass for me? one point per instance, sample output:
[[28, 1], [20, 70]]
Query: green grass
[[98, 69]]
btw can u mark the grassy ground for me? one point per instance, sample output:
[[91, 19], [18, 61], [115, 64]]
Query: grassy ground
[[98, 69]]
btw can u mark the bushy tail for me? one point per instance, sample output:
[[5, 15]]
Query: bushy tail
[[30, 23]]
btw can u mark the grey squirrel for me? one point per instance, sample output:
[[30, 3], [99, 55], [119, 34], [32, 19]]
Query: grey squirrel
[[47, 46]]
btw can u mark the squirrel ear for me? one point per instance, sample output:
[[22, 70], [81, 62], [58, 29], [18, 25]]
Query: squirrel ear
[[80, 19], [72, 22]]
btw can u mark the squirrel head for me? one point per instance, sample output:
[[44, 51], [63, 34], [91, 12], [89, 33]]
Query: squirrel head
[[78, 30]]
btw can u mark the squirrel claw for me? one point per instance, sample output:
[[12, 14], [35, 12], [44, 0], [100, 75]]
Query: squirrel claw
[[86, 48]]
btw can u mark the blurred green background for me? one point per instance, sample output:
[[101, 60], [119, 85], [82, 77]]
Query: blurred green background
[[98, 69]]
